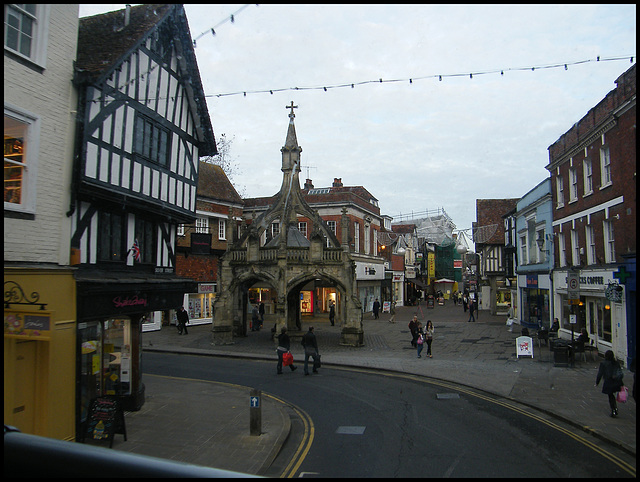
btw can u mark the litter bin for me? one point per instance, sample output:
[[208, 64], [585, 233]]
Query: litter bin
[[560, 353]]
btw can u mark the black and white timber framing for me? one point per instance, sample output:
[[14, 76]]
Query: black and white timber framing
[[143, 123]]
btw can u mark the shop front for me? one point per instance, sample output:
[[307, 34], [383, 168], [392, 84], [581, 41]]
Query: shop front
[[535, 290], [39, 351], [111, 313], [601, 310]]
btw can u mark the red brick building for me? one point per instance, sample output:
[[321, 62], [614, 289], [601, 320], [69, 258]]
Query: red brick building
[[593, 175]]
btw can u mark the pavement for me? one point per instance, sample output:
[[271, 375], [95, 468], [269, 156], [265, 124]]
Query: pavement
[[480, 355]]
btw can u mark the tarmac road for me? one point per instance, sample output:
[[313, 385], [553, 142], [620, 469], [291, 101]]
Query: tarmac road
[[480, 355]]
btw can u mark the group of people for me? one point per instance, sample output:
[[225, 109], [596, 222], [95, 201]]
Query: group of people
[[310, 345], [420, 336], [257, 316]]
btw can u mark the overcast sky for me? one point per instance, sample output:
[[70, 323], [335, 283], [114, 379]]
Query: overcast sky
[[417, 145]]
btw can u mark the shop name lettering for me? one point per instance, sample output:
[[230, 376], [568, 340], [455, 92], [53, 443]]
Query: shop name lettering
[[120, 302], [591, 280]]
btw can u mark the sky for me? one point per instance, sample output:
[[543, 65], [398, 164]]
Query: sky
[[416, 145]]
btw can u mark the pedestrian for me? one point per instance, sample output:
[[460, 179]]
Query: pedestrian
[[472, 307], [376, 308], [413, 325], [261, 313], [183, 319], [332, 312], [392, 312], [612, 373], [419, 339], [255, 318], [310, 344], [465, 302], [428, 333], [284, 346]]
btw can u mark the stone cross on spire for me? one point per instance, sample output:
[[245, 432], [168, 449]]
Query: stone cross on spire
[[291, 115]]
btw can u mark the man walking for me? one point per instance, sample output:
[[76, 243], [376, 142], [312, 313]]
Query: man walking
[[310, 345], [183, 319]]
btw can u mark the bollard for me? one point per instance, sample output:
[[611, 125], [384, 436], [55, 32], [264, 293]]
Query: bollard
[[255, 412]]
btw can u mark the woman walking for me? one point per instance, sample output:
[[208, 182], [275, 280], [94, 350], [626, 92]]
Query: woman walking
[[419, 339], [284, 345], [429, 337], [612, 373]]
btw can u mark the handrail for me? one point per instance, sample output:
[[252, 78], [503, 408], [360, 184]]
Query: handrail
[[27, 455]]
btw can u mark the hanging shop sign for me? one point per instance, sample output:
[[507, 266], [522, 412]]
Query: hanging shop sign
[[27, 325]]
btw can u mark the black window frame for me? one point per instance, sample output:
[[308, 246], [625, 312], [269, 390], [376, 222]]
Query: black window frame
[[151, 141]]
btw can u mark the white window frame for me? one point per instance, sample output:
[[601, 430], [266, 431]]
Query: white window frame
[[302, 227], [180, 230], [562, 250], [605, 167], [31, 147], [575, 248], [275, 229], [356, 237], [573, 185], [587, 171], [202, 225], [222, 230], [590, 237], [40, 33], [609, 242], [559, 192], [524, 259]]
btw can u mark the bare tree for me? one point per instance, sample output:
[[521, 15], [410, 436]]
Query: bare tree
[[226, 161]]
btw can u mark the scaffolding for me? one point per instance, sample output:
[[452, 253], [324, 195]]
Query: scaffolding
[[435, 226]]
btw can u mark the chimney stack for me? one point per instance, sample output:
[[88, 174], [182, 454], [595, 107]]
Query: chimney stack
[[127, 15], [337, 182], [308, 184]]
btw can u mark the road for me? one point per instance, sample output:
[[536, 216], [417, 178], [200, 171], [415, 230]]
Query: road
[[376, 424]]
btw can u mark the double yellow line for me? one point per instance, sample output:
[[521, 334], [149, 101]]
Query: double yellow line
[[630, 469], [305, 443]]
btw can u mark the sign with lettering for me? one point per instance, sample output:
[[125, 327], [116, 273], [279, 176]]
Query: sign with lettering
[[27, 325], [106, 419], [573, 285]]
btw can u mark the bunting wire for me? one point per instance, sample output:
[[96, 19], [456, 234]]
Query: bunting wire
[[440, 77], [231, 18]]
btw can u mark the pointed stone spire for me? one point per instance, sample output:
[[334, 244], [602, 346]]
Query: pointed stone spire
[[291, 151]]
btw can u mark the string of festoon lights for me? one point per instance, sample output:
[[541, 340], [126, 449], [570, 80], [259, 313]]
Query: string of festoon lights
[[439, 77]]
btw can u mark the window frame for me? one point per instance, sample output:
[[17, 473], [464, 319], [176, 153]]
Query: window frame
[[202, 225], [559, 191], [573, 185], [31, 147], [115, 251], [590, 241], [605, 167], [609, 241], [587, 172], [149, 147], [222, 230], [40, 33]]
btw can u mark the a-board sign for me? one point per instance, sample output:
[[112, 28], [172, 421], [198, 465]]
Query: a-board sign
[[106, 419], [430, 302]]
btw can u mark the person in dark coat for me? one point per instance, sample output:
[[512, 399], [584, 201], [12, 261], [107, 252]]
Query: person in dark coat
[[183, 319], [413, 327], [472, 307], [376, 308], [310, 345], [611, 372], [332, 312], [284, 345]]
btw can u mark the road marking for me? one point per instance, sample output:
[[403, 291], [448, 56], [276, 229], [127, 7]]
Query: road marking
[[616, 460], [351, 430], [447, 396]]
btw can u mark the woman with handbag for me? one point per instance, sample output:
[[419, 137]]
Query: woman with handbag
[[612, 373], [429, 336], [419, 339], [284, 345]]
